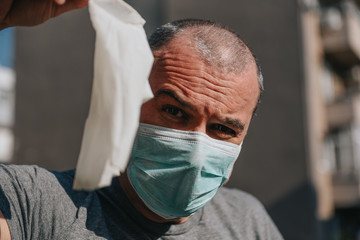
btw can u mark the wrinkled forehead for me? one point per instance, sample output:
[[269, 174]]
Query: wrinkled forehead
[[179, 65], [219, 59]]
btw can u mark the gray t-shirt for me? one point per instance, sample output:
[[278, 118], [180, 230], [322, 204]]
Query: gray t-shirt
[[41, 204]]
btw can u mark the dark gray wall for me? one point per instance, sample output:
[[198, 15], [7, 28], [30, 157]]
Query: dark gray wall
[[54, 74], [54, 67]]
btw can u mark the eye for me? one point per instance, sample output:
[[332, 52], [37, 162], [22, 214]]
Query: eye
[[223, 131], [173, 111]]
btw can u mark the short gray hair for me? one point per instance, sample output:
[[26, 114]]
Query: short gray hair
[[217, 44]]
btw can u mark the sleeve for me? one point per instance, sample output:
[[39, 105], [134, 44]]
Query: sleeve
[[259, 220], [33, 202], [248, 216], [14, 202]]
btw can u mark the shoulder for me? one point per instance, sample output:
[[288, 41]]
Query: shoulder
[[28, 171], [42, 201], [243, 213], [38, 184], [12, 171], [33, 177], [236, 203], [235, 198]]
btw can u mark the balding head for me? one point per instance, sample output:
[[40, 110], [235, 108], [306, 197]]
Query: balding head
[[217, 45]]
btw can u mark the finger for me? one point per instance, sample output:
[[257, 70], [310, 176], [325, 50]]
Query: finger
[[70, 5], [60, 2], [5, 7]]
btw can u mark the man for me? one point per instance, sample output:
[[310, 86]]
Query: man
[[206, 86]]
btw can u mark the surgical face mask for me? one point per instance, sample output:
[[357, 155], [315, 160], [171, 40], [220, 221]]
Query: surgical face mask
[[176, 172]]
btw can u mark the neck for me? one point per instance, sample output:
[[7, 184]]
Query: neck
[[140, 206]]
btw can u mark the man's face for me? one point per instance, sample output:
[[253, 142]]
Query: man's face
[[190, 95]]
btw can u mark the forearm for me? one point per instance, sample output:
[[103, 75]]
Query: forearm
[[4, 228], [30, 13]]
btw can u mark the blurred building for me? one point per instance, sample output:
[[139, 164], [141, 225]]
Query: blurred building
[[335, 79], [301, 157], [7, 94]]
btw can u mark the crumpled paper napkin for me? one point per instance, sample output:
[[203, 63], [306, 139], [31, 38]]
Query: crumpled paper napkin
[[122, 64]]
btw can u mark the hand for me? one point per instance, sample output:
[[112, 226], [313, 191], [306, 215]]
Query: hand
[[33, 12]]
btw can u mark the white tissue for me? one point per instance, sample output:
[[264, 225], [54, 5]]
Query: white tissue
[[122, 64]]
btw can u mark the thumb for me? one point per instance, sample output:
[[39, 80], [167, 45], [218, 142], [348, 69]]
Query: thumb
[[68, 5], [59, 2]]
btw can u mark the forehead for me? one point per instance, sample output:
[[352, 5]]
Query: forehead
[[179, 67]]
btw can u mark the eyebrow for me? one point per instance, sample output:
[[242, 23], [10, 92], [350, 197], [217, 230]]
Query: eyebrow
[[229, 121], [234, 122], [175, 97]]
